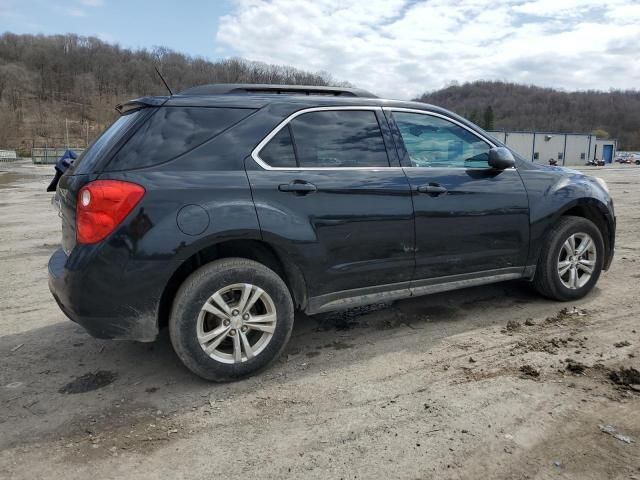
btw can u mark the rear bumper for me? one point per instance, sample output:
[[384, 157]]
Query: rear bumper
[[91, 299]]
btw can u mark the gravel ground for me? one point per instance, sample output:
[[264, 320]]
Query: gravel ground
[[488, 382]]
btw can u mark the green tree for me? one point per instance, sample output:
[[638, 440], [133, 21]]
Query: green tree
[[488, 118], [473, 116], [600, 133]]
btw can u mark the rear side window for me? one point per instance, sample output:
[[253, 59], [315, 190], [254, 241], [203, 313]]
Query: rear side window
[[328, 139], [279, 151], [173, 131], [87, 160]]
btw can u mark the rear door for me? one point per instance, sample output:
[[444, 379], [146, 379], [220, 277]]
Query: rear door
[[330, 197], [470, 219]]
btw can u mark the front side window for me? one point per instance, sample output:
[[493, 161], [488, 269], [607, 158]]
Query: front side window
[[435, 142], [328, 139]]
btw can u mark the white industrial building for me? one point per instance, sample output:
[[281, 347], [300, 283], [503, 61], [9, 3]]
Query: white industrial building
[[565, 148]]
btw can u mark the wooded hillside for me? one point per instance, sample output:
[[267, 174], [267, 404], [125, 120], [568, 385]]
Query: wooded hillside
[[523, 107], [47, 79], [51, 85]]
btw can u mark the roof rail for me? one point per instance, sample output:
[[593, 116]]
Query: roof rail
[[262, 89]]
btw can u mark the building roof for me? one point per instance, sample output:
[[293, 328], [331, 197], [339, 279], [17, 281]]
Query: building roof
[[537, 132]]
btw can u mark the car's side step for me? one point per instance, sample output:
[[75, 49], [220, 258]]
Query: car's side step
[[398, 291]]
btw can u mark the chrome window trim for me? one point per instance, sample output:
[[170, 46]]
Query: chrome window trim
[[452, 120], [255, 154]]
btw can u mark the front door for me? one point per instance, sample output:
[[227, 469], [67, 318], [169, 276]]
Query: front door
[[328, 197], [469, 218]]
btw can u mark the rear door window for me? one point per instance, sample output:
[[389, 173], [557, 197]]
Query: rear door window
[[279, 152], [328, 139], [338, 139], [173, 131]]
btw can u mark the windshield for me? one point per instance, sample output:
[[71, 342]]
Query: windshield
[[88, 159]]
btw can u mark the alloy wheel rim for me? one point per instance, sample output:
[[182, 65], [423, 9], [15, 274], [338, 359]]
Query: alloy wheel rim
[[236, 323], [577, 260]]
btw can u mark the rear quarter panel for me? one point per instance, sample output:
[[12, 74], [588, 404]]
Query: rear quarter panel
[[210, 177]]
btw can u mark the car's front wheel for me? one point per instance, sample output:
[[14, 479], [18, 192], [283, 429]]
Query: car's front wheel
[[230, 319], [571, 259]]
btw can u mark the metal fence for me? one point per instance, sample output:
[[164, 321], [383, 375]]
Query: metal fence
[[50, 155], [8, 156]]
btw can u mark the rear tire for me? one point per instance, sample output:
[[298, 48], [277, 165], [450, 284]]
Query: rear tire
[[230, 319], [564, 271]]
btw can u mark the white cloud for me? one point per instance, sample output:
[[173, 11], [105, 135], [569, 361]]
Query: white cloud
[[92, 3], [401, 48]]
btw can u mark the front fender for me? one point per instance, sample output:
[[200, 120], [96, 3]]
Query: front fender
[[557, 192]]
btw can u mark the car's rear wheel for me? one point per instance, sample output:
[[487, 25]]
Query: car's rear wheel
[[571, 259], [230, 319]]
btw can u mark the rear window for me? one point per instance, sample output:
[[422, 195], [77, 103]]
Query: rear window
[[86, 162], [173, 131]]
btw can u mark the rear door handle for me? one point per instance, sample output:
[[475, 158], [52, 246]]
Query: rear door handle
[[301, 188], [432, 189]]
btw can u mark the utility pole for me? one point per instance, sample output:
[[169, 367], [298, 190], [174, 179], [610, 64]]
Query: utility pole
[[66, 128]]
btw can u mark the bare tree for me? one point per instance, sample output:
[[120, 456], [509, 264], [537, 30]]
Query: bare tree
[[44, 78], [16, 82]]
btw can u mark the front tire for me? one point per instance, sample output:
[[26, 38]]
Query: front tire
[[571, 260], [230, 319]]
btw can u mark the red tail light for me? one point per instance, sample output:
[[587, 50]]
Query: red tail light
[[102, 205]]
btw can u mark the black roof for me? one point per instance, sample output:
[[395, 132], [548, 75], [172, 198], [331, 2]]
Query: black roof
[[258, 96], [294, 96]]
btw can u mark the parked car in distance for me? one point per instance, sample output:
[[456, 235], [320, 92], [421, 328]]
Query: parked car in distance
[[221, 211], [595, 163], [629, 159]]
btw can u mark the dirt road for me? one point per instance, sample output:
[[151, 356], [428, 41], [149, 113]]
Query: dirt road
[[490, 382]]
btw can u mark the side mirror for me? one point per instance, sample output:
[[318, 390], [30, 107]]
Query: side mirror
[[501, 158]]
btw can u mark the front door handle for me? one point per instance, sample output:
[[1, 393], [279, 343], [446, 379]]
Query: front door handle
[[432, 189], [298, 187]]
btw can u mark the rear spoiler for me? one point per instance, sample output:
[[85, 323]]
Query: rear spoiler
[[138, 103]]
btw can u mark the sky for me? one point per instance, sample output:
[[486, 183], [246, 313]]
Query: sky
[[395, 48]]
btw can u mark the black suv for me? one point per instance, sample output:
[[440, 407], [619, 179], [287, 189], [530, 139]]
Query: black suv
[[221, 211]]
